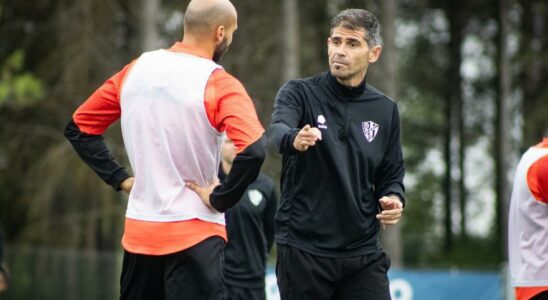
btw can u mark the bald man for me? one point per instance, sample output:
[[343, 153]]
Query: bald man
[[174, 106]]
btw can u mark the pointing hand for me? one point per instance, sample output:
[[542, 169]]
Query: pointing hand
[[307, 137]]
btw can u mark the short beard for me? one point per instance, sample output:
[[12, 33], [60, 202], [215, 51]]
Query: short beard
[[341, 74], [344, 76], [220, 50]]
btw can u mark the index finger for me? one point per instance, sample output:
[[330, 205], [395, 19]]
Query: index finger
[[308, 133], [394, 211]]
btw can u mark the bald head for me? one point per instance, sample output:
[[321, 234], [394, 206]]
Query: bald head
[[205, 16]]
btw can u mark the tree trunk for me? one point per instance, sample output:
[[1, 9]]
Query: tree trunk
[[383, 76], [150, 10], [447, 183], [291, 30], [533, 78], [501, 127], [456, 28], [454, 121]]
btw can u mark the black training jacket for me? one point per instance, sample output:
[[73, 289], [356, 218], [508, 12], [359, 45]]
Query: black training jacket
[[330, 193], [250, 232]]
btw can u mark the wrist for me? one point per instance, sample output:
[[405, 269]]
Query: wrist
[[127, 184], [396, 197], [292, 137]]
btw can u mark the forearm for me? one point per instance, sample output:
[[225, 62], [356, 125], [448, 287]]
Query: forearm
[[389, 179], [95, 153], [245, 169], [392, 186], [281, 137], [286, 116]]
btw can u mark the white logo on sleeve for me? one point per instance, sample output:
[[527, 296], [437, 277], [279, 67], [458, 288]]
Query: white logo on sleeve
[[255, 197], [321, 122], [370, 130]]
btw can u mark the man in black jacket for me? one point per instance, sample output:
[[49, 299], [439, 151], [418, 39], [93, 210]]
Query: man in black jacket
[[250, 233], [342, 172]]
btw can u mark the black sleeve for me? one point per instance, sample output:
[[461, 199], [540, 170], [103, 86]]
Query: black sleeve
[[245, 168], [271, 206], [389, 177], [94, 152], [286, 116]]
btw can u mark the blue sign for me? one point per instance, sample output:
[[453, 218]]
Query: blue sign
[[428, 285], [448, 285]]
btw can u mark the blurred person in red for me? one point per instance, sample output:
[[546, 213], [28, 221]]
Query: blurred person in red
[[528, 225]]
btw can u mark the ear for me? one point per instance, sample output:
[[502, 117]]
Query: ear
[[219, 34], [374, 53], [328, 41]]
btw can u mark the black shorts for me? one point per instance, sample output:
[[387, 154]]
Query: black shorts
[[194, 273], [240, 293], [303, 276]]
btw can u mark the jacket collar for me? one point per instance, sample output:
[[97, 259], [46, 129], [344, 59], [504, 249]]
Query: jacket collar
[[344, 90]]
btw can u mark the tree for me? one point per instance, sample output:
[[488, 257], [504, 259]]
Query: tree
[[533, 47], [454, 130], [456, 15], [384, 76], [291, 40], [422, 57], [63, 196], [150, 11], [501, 148]]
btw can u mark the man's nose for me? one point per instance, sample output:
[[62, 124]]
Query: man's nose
[[339, 54], [340, 51]]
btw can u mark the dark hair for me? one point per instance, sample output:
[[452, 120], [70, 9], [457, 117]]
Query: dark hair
[[359, 19]]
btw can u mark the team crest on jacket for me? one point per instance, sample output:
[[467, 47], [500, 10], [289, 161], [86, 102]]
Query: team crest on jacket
[[255, 197], [370, 130]]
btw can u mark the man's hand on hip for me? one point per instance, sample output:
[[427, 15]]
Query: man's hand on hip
[[127, 184], [204, 192]]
